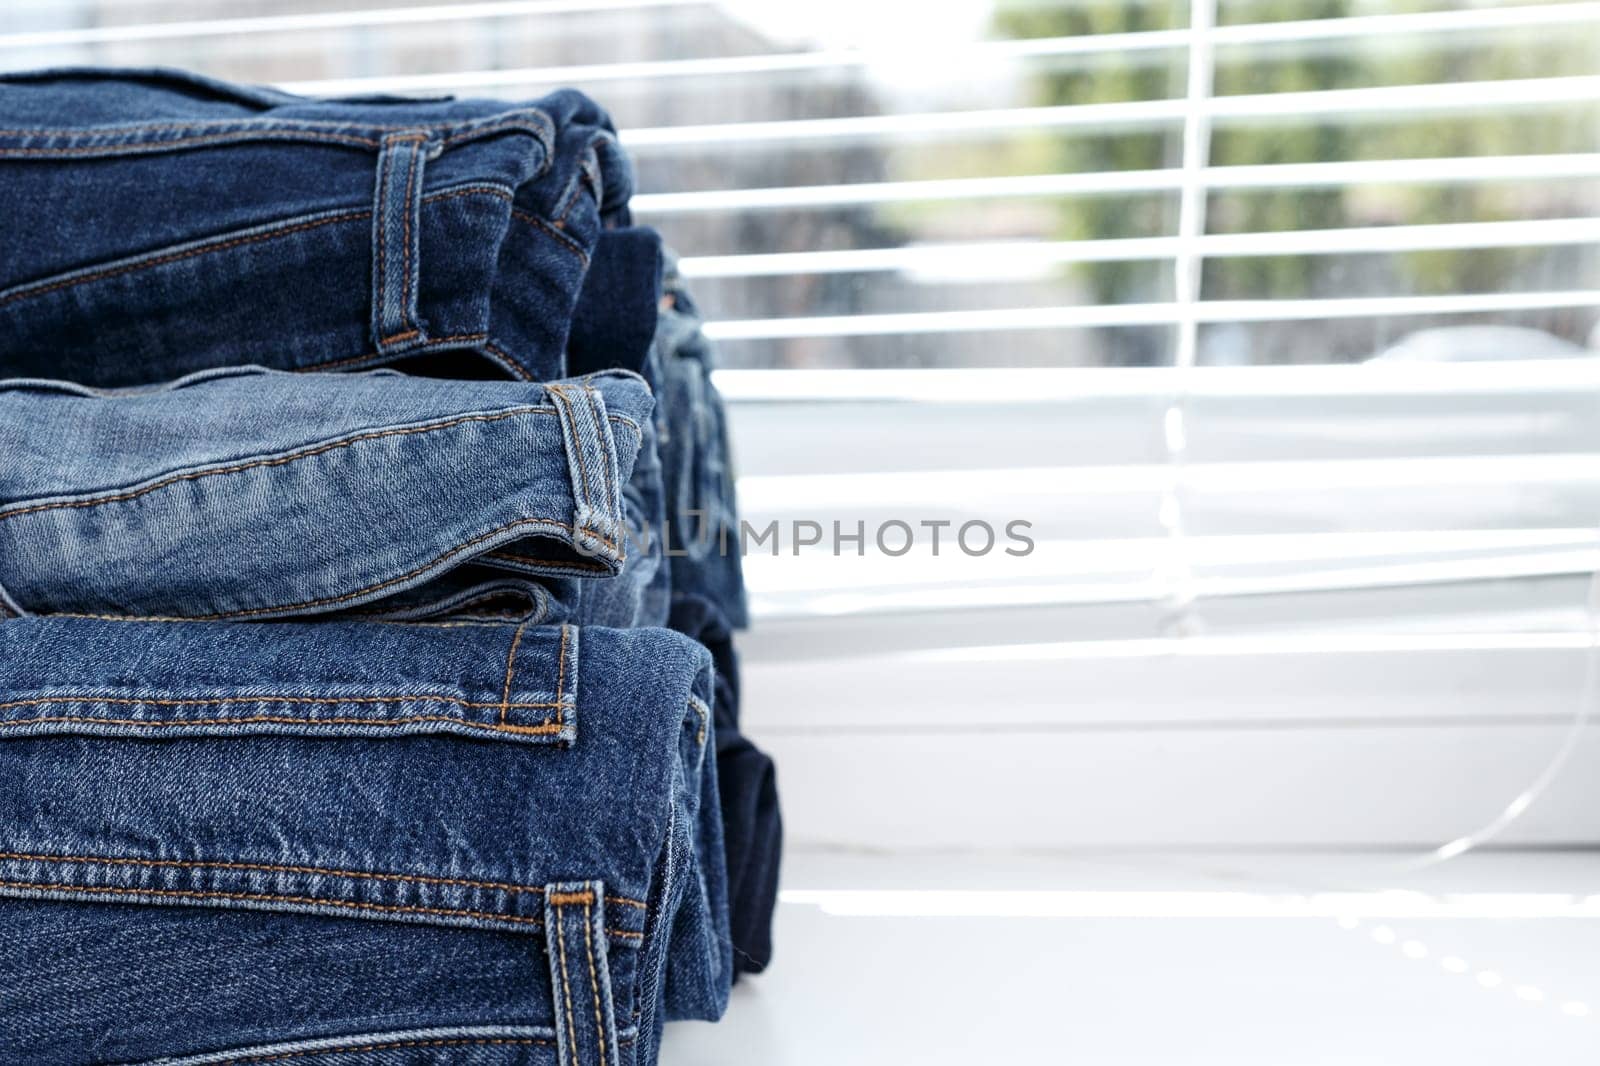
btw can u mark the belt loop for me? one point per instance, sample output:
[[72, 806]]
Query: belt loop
[[580, 979], [396, 234], [592, 466]]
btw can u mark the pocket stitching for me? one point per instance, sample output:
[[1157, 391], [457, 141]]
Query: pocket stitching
[[503, 886]]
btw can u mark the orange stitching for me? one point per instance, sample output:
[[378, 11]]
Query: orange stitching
[[511, 662], [268, 897], [540, 223], [316, 700], [405, 249], [386, 160], [398, 337], [577, 443], [594, 980], [275, 898], [456, 1042], [566, 985], [562, 899], [143, 264], [545, 729], [503, 886], [584, 180], [174, 257], [505, 360], [599, 420], [74, 131], [471, 190], [561, 675], [373, 356], [281, 460], [137, 147]]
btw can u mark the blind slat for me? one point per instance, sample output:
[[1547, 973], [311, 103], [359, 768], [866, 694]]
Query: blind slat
[[1429, 98]]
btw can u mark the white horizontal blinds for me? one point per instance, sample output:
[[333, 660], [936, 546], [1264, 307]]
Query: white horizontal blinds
[[1187, 195], [1297, 481]]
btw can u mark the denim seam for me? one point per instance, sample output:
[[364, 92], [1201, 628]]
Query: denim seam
[[548, 728], [277, 460], [410, 149], [390, 1045], [613, 500], [511, 665], [561, 674], [594, 979], [566, 985], [500, 125], [273, 897], [45, 288], [137, 263], [583, 464], [560, 912], [350, 1049], [234, 130], [577, 445], [151, 147], [504, 359], [372, 357], [322, 871], [464, 129], [587, 177], [417, 155], [310, 700], [553, 230], [380, 279]]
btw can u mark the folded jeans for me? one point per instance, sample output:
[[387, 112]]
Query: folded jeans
[[543, 783]]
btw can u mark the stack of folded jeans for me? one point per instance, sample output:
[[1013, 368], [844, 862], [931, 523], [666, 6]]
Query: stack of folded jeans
[[368, 575]]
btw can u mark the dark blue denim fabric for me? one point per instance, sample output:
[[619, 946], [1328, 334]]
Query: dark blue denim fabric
[[699, 524], [708, 603], [530, 787], [752, 822], [614, 323], [301, 775], [696, 460], [155, 223]]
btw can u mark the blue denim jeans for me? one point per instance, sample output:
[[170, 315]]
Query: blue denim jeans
[[191, 223], [708, 604], [252, 494], [457, 842], [393, 747]]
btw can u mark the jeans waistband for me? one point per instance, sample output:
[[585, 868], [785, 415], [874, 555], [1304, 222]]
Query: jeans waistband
[[248, 221]]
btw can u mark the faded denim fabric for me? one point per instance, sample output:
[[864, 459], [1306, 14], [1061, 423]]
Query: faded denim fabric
[[251, 494], [438, 843], [156, 222]]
